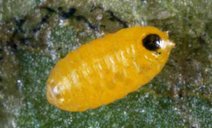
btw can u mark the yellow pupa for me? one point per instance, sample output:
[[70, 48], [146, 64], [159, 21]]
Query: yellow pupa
[[108, 68]]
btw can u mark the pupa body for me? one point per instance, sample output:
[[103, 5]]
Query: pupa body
[[108, 68]]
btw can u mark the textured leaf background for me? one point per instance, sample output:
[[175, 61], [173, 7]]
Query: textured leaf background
[[34, 34]]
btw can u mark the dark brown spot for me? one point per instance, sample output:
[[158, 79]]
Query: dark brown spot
[[152, 42]]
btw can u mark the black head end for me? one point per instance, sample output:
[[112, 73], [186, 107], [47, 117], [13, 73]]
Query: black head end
[[152, 42]]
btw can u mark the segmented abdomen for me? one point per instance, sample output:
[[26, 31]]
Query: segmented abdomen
[[101, 80]]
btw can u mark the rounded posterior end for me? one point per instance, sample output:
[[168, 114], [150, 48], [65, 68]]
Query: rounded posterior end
[[49, 93], [53, 93]]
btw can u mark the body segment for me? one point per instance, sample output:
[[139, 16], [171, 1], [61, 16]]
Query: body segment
[[106, 69]]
